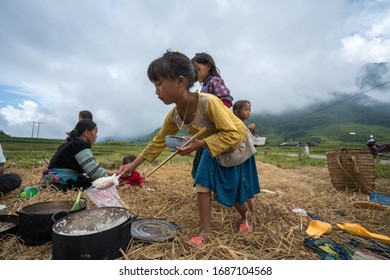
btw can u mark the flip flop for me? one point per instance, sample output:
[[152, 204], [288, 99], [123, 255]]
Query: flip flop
[[361, 231], [317, 228], [197, 241], [245, 228], [369, 205]]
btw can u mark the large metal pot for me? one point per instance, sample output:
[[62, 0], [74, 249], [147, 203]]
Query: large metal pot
[[8, 224], [94, 234], [36, 219]]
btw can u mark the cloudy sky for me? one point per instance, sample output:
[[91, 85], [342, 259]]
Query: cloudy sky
[[59, 57]]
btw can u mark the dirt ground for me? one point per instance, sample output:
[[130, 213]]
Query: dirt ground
[[278, 233]]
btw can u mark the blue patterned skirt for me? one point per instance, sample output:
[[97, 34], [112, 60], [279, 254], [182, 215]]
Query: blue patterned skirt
[[65, 179], [228, 184]]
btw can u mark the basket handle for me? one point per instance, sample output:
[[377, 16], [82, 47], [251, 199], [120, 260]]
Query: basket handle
[[345, 171], [357, 171]]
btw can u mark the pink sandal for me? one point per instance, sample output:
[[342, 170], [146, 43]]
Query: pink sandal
[[197, 241], [245, 228]]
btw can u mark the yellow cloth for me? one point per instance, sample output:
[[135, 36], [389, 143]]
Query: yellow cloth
[[224, 130], [361, 231]]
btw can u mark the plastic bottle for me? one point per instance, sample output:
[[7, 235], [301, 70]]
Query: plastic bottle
[[29, 192]]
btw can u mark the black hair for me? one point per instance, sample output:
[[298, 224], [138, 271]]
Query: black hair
[[80, 127], [239, 104], [85, 115], [172, 65], [204, 58], [128, 158]]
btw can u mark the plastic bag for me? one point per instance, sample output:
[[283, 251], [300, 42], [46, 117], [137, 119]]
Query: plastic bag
[[104, 193], [105, 198]]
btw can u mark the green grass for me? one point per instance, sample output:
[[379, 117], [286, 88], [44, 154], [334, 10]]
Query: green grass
[[284, 161], [272, 155], [31, 152]]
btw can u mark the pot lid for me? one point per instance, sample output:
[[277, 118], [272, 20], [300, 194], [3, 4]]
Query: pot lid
[[153, 230], [50, 207]]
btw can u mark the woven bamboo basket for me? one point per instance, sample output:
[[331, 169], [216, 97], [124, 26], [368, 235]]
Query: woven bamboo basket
[[352, 169]]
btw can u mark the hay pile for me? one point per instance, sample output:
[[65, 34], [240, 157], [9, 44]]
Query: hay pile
[[169, 194]]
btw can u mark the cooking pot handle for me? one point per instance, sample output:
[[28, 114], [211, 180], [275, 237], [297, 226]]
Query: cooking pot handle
[[21, 213], [62, 214], [129, 221]]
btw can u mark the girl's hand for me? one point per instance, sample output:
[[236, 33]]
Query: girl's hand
[[251, 126], [195, 145], [127, 169]]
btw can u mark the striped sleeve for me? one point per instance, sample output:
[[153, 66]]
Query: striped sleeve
[[89, 164]]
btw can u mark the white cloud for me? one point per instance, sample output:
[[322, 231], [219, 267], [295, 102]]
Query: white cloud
[[364, 50], [26, 113], [68, 56]]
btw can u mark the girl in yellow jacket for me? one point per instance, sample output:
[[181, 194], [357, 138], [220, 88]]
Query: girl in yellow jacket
[[227, 168]]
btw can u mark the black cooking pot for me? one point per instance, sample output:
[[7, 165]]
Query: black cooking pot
[[36, 219], [93, 234]]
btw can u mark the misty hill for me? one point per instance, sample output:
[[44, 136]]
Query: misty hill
[[328, 121], [2, 133], [147, 138], [335, 119]]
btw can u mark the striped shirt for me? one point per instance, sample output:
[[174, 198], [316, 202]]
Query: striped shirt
[[77, 155]]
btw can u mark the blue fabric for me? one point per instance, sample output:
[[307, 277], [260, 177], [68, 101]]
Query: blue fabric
[[61, 176], [229, 184], [65, 179], [380, 198], [341, 252], [314, 217]]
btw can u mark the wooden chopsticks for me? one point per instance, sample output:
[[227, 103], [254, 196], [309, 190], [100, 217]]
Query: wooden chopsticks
[[172, 155]]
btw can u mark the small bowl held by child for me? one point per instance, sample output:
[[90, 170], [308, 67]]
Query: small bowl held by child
[[173, 141]]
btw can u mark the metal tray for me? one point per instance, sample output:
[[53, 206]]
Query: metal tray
[[153, 230]]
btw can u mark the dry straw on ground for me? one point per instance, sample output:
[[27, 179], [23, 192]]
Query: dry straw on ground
[[169, 194]]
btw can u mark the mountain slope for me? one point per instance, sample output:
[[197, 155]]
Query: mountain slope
[[324, 122], [331, 120]]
